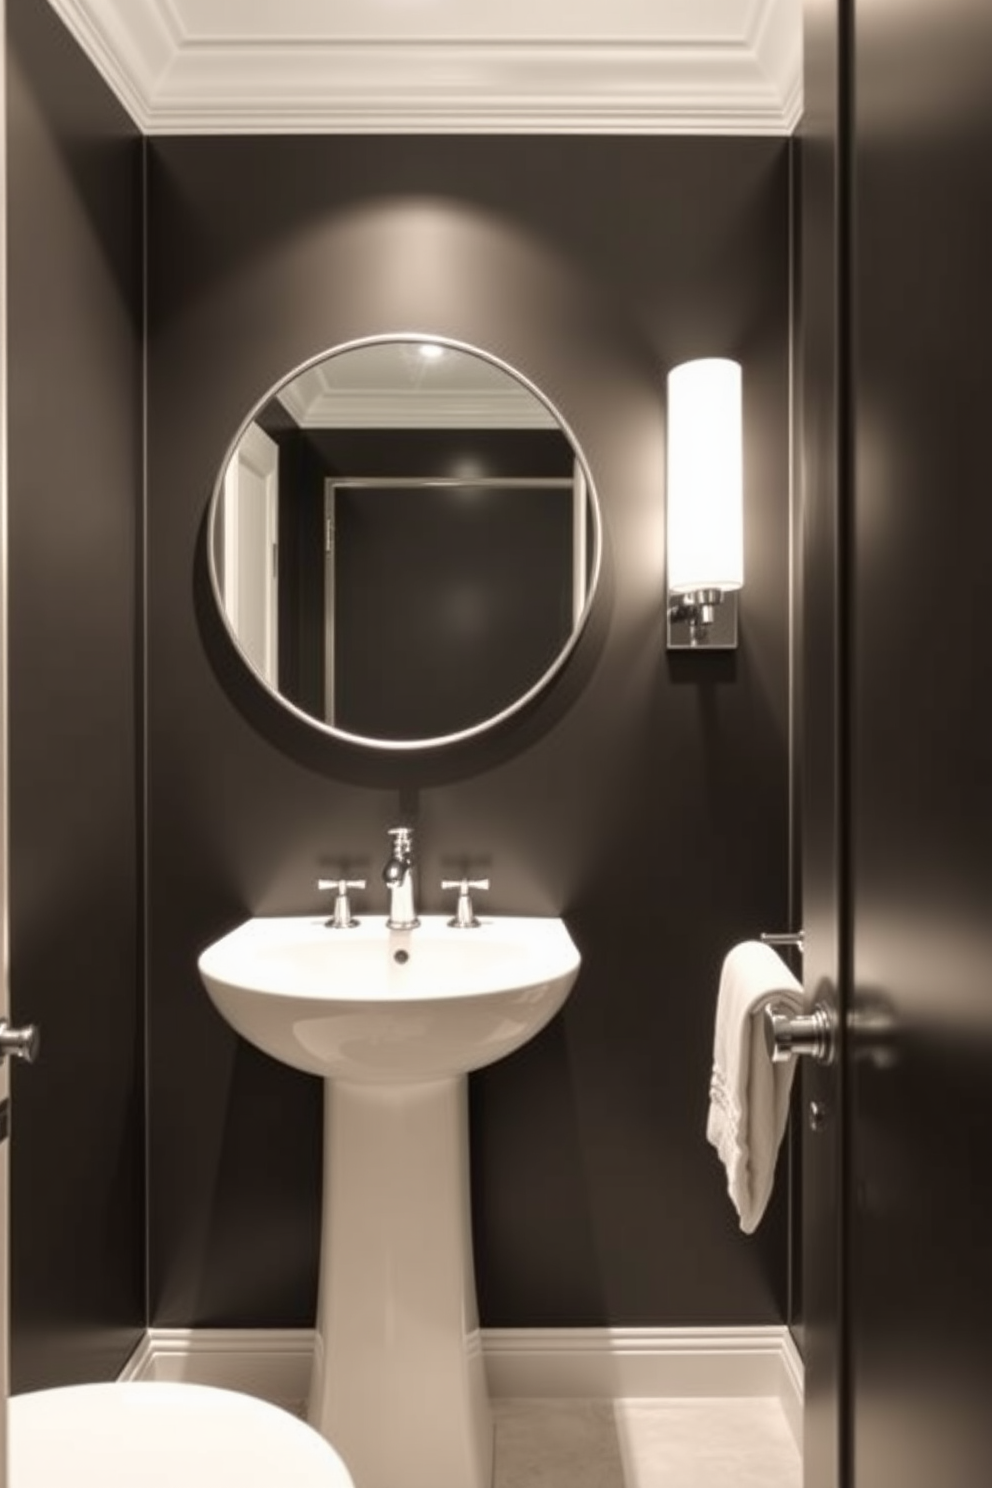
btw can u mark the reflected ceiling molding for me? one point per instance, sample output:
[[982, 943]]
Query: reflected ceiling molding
[[323, 408], [366, 410], [183, 66]]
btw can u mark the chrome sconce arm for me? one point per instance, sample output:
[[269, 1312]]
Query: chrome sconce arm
[[703, 619]]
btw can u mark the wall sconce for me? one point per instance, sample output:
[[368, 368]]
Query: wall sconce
[[705, 504]]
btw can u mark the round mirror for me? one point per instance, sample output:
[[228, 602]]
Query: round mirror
[[404, 542]]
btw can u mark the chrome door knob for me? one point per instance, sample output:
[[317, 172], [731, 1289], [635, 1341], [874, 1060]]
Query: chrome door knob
[[19, 1043], [788, 1035]]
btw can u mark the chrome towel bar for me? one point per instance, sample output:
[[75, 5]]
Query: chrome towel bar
[[793, 938]]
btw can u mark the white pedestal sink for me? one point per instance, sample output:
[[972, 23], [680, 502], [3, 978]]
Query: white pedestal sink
[[393, 1020]]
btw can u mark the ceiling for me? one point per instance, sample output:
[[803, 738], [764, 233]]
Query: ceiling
[[448, 66]]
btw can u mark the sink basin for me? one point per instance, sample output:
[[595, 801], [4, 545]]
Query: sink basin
[[393, 1020], [371, 1004]]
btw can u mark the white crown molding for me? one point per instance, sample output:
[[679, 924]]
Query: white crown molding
[[131, 43], [174, 81], [554, 1363], [776, 41]]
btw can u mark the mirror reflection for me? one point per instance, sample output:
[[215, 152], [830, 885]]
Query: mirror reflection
[[404, 542]]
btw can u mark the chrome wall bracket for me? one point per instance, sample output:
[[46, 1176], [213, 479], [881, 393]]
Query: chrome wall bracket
[[791, 939], [703, 621]]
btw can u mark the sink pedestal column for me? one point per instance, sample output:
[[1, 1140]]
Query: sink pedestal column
[[399, 1382]]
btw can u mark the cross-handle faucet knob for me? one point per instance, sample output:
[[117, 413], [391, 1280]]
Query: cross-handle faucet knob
[[464, 916], [342, 918]]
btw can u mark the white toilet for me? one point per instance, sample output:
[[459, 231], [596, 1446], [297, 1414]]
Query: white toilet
[[157, 1435]]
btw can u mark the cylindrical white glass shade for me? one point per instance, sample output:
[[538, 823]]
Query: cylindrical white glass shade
[[705, 460]]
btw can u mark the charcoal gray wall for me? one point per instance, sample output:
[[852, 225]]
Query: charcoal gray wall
[[644, 799], [74, 366]]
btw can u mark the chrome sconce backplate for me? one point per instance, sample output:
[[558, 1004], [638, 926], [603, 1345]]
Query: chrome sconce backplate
[[705, 620]]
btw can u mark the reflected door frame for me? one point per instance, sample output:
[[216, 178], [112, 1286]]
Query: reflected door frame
[[250, 550]]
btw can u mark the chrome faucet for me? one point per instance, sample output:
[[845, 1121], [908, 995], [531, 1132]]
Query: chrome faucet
[[398, 878]]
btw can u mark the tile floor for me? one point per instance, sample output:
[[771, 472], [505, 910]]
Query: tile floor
[[723, 1443]]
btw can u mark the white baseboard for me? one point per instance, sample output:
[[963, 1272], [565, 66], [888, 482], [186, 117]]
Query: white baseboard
[[271, 1363], [792, 1389], [556, 1363]]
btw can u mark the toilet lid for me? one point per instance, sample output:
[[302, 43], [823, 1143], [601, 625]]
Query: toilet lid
[[158, 1435]]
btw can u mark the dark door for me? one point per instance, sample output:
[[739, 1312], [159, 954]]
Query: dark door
[[897, 397], [921, 805], [823, 484]]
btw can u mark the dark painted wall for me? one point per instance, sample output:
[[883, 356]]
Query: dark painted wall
[[921, 1097], [644, 799], [74, 359]]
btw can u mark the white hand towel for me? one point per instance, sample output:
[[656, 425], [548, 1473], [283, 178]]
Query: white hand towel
[[749, 1095]]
